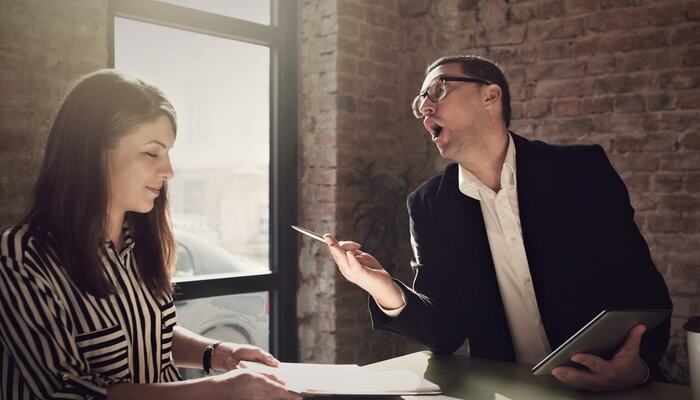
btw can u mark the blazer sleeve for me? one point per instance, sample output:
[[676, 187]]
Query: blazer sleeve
[[36, 331], [432, 300], [623, 250]]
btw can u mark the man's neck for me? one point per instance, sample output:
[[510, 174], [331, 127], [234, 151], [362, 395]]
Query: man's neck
[[485, 161]]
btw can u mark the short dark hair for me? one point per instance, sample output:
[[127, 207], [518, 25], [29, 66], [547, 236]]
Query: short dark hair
[[70, 198], [482, 68]]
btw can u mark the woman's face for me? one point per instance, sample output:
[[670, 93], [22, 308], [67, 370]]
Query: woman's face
[[139, 165]]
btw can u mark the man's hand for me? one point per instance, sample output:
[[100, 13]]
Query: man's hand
[[625, 369], [365, 271], [227, 356]]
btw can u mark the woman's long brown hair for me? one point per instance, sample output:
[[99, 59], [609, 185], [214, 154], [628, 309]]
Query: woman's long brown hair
[[71, 194]]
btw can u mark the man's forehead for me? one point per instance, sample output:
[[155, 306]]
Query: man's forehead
[[451, 69]]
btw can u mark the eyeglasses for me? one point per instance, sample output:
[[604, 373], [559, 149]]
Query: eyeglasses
[[437, 90]]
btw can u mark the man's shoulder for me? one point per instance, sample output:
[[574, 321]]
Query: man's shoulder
[[565, 151], [443, 180]]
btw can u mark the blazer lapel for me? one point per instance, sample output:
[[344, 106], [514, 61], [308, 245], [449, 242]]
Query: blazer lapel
[[461, 216]]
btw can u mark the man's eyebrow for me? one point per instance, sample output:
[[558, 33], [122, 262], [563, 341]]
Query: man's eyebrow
[[159, 143]]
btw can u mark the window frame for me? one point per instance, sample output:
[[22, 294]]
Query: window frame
[[280, 37]]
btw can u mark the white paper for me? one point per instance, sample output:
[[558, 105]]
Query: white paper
[[346, 379]]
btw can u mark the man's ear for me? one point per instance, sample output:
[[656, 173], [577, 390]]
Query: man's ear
[[492, 95]]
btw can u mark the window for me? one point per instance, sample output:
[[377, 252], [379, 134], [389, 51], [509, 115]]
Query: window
[[230, 71]]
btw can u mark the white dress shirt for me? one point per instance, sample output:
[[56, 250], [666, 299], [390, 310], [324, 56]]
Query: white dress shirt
[[502, 219]]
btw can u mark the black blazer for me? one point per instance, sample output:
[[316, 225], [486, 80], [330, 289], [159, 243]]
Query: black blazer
[[583, 247]]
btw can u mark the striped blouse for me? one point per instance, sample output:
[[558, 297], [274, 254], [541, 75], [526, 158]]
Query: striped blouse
[[57, 341]]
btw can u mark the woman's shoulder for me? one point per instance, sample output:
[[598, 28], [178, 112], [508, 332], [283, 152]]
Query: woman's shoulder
[[18, 242], [14, 241]]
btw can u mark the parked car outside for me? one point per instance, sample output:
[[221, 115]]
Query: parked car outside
[[240, 318]]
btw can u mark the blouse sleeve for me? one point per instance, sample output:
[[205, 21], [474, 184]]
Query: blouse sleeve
[[37, 333]]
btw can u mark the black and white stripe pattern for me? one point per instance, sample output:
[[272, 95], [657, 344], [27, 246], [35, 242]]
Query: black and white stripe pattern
[[56, 341]]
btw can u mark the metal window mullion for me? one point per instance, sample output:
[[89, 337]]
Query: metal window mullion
[[193, 20], [212, 287]]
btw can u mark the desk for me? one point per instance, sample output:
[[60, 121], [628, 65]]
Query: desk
[[480, 379]]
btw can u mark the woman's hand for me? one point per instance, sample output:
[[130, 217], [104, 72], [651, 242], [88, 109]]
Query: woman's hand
[[243, 384], [227, 356]]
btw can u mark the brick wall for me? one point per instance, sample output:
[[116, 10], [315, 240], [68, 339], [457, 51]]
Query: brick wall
[[621, 73], [44, 45]]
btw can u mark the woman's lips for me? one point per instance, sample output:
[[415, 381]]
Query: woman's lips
[[153, 190]]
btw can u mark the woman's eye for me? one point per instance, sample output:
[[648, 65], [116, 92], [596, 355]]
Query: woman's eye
[[152, 155]]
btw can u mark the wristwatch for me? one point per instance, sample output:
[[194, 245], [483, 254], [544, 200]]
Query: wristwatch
[[206, 357]]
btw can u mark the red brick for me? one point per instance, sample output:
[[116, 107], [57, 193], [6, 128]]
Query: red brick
[[621, 83], [680, 203], [556, 70], [646, 60], [626, 143], [564, 88], [691, 224], [628, 103], [597, 105], [692, 9], [681, 161], [690, 99], [634, 162], [577, 126], [661, 101], [663, 223], [555, 29], [511, 34], [519, 13], [659, 142], [665, 182], [579, 6], [691, 141], [618, 19], [667, 14], [685, 35], [549, 9], [637, 182], [676, 121], [691, 57], [536, 108], [635, 40], [566, 108], [676, 79], [600, 65], [691, 182]]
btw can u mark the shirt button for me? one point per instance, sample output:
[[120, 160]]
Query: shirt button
[[65, 377], [528, 280]]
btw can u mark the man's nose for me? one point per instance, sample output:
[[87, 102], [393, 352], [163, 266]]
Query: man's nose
[[427, 107]]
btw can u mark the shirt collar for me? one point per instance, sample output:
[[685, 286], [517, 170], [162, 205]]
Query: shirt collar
[[471, 186]]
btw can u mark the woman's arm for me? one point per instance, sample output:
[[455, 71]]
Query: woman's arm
[[188, 348]]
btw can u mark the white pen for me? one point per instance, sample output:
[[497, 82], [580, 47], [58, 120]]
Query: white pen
[[309, 233]]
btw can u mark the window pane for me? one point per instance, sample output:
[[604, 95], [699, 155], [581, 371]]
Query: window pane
[[220, 193], [240, 318], [250, 10]]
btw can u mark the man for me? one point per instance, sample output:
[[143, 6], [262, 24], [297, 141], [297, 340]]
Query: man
[[517, 245]]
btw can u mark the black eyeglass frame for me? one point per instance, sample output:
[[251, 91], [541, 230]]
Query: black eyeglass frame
[[417, 101]]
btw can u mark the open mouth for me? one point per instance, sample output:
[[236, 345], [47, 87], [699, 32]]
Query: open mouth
[[435, 130]]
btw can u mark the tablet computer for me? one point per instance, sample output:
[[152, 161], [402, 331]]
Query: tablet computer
[[602, 336]]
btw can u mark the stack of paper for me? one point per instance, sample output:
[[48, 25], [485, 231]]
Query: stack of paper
[[327, 379]]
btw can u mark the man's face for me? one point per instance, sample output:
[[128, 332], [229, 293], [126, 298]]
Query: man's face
[[453, 122]]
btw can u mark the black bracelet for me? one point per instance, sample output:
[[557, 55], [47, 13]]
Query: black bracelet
[[206, 357]]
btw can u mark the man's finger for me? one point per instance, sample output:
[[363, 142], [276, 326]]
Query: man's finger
[[575, 378], [349, 245], [594, 363], [634, 339]]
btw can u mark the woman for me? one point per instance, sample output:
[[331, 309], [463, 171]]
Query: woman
[[86, 308]]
